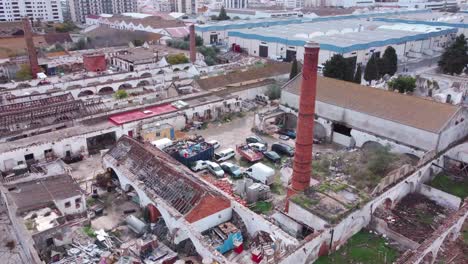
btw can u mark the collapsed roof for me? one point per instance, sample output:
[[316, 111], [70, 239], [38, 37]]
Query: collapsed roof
[[167, 178]]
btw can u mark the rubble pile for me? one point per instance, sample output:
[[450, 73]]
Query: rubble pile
[[225, 186], [415, 217]]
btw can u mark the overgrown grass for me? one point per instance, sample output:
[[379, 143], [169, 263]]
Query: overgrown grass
[[90, 201], [89, 231], [444, 183], [362, 248], [277, 188], [304, 201], [262, 207]]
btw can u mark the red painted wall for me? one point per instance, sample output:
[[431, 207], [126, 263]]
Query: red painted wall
[[95, 62]]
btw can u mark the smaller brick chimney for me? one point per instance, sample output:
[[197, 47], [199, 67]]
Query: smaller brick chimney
[[32, 53], [193, 46]]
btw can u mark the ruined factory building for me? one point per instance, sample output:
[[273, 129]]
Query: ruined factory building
[[163, 177], [353, 114], [46, 192]]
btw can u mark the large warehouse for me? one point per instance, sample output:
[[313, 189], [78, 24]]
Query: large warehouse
[[217, 32], [414, 34], [352, 37]]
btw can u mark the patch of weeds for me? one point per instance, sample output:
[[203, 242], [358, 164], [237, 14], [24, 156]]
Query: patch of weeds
[[262, 207], [304, 201], [30, 224], [364, 248], [90, 201], [425, 218], [277, 188], [89, 231], [444, 183], [331, 186], [321, 168], [204, 125]]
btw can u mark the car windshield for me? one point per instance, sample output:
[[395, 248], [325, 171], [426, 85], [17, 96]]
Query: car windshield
[[216, 168], [234, 168]]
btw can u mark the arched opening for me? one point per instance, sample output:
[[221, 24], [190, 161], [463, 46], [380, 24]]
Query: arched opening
[[160, 72], [23, 85], [388, 204], [143, 83], [85, 93], [186, 67], [62, 119], [428, 259], [34, 92], [146, 75], [125, 86], [320, 132], [106, 90], [371, 145]]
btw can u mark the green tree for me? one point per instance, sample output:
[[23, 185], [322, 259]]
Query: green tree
[[210, 54], [455, 58], [24, 73], [358, 75], [372, 69], [174, 59], [121, 94], [273, 92], [66, 26], [80, 45], [294, 69], [198, 40], [389, 61], [335, 67], [138, 42], [403, 84], [223, 15]]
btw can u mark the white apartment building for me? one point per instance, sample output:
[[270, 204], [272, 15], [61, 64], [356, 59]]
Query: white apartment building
[[185, 6], [417, 4], [291, 3], [79, 9], [45, 10], [236, 4]]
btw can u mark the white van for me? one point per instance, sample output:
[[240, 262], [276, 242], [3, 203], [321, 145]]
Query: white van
[[162, 143], [261, 173], [214, 143], [224, 155]]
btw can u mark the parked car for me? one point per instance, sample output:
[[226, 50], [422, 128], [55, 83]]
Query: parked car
[[255, 139], [214, 143], [258, 147], [272, 156], [284, 137], [287, 132], [199, 165], [231, 169], [224, 155], [215, 169], [283, 149]]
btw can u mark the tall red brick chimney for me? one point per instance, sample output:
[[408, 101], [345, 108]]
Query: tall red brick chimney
[[32, 54], [193, 48], [305, 123]]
